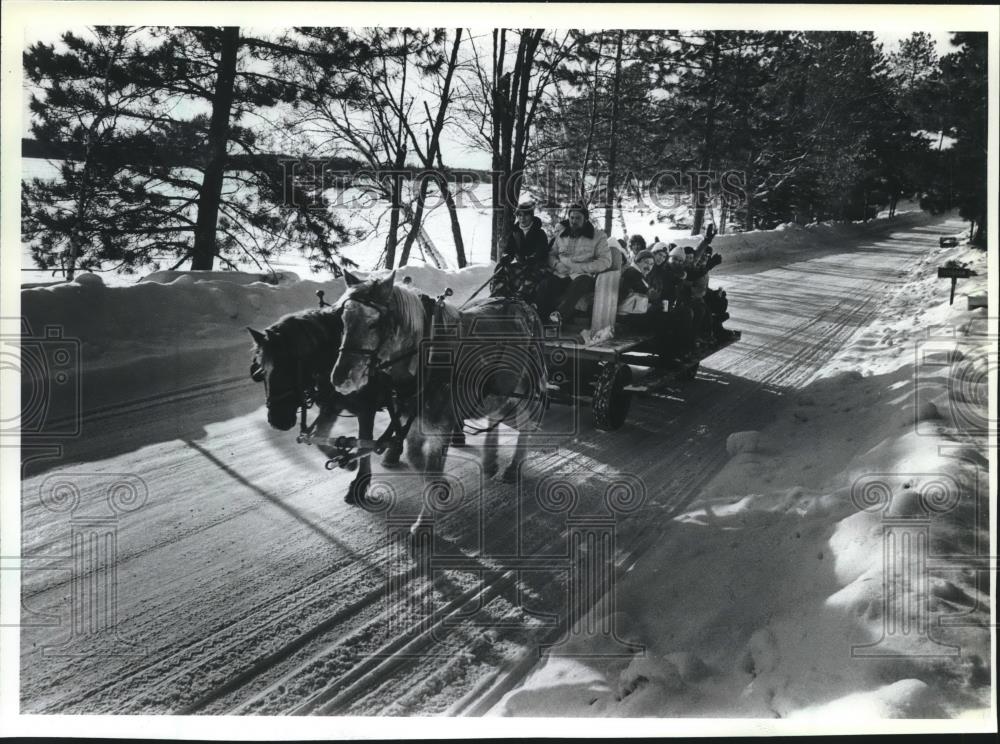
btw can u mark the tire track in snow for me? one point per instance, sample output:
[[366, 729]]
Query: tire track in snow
[[384, 676]]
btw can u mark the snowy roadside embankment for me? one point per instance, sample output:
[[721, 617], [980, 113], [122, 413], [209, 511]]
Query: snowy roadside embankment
[[151, 338], [178, 329], [827, 572], [765, 245]]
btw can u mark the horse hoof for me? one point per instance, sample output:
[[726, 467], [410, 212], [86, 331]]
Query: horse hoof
[[509, 474], [490, 469], [356, 493], [391, 458]]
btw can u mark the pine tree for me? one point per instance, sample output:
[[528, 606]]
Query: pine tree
[[99, 210], [166, 153], [962, 168]]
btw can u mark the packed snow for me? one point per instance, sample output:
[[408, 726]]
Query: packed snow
[[761, 597], [767, 597]]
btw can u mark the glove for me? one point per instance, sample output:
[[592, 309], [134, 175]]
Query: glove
[[714, 260]]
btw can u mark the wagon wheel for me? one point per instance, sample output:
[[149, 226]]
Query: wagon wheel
[[611, 399], [690, 371]]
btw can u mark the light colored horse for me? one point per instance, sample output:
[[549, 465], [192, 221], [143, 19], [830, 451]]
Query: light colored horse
[[484, 362]]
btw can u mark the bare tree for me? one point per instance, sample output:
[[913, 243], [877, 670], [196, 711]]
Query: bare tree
[[430, 157], [501, 102]]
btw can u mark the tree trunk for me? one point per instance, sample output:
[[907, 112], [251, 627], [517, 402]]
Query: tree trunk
[[612, 155], [709, 141], [456, 227], [418, 218], [391, 237], [979, 231], [499, 43], [210, 197], [396, 190], [593, 124], [433, 148]]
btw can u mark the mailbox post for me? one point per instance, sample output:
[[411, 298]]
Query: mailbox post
[[954, 271]]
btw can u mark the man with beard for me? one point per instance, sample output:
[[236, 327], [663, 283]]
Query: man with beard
[[578, 254]]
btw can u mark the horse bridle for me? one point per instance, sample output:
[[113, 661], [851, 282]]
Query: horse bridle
[[372, 354], [303, 390]]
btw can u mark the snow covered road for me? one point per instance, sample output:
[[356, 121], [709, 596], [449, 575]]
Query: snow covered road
[[238, 581]]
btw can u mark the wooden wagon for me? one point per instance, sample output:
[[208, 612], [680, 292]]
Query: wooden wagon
[[601, 372]]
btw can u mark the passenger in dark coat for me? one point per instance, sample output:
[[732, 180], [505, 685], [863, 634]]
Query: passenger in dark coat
[[525, 259]]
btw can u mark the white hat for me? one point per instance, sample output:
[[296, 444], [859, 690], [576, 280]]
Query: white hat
[[676, 252], [656, 247]]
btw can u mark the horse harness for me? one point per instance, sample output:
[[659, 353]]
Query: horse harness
[[350, 449]]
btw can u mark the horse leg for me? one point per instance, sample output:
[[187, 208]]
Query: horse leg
[[395, 449], [525, 421], [328, 415], [366, 430], [490, 466], [438, 442], [520, 452], [415, 440]]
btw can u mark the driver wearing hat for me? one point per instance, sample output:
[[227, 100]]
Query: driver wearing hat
[[525, 258]]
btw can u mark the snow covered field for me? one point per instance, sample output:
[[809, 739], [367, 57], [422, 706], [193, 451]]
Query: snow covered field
[[770, 583]]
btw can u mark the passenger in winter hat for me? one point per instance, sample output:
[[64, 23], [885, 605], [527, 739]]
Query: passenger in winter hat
[[524, 262], [635, 278], [695, 283], [642, 256], [659, 251]]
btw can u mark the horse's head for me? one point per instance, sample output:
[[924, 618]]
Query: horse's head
[[280, 374], [365, 308], [293, 358]]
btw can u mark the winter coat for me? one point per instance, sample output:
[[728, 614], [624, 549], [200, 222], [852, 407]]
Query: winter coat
[[672, 283], [530, 247], [697, 274], [631, 281], [585, 255], [525, 262]]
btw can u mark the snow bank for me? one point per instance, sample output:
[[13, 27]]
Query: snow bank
[[182, 328], [787, 589], [759, 245]]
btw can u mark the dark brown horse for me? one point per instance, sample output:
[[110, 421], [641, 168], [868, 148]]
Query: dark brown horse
[[484, 362], [294, 357]]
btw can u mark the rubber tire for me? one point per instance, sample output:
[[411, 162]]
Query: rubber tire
[[611, 401]]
